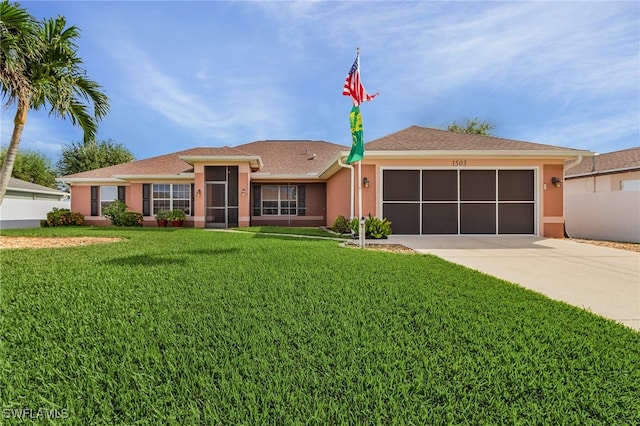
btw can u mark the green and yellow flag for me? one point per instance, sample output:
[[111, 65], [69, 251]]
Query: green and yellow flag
[[357, 146]]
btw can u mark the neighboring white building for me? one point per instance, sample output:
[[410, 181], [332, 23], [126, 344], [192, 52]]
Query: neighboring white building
[[602, 197], [25, 204]]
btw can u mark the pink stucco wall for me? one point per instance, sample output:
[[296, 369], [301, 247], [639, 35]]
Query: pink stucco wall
[[133, 196], [81, 199], [338, 193], [244, 201], [553, 205]]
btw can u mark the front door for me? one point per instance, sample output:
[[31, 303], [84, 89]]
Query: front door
[[221, 201]]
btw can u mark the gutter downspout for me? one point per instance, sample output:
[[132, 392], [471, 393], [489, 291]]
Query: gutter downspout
[[564, 203], [573, 163], [350, 167]]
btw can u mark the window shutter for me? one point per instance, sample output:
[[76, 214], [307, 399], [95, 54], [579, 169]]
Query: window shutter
[[146, 199], [256, 200], [121, 196], [193, 200], [94, 201], [301, 203]]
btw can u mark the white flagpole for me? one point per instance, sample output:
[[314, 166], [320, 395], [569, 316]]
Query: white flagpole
[[360, 215]]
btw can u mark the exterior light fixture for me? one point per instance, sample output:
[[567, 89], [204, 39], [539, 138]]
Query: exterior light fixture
[[198, 193], [244, 192], [556, 182], [365, 182]]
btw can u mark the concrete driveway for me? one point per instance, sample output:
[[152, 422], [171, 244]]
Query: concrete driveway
[[602, 280]]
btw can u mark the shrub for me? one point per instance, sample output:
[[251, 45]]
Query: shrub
[[341, 225], [354, 226], [119, 215], [63, 217], [113, 211], [130, 218], [377, 228], [374, 228], [176, 215]]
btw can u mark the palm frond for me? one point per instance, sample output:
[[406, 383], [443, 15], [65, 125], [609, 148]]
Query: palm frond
[[61, 84], [79, 115], [19, 46]]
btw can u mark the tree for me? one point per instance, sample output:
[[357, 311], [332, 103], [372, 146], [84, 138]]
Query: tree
[[32, 166], [18, 44], [474, 126], [44, 70], [83, 156]]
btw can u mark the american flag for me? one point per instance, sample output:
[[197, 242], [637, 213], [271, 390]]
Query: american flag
[[353, 87]]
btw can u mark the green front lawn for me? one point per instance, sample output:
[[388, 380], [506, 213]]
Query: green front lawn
[[311, 232], [185, 326]]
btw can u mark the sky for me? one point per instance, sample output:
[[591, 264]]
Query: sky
[[211, 73]]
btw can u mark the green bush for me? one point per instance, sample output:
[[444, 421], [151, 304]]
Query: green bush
[[63, 217], [162, 215], [374, 228], [119, 215], [113, 211], [341, 225], [354, 226], [176, 214], [377, 228], [129, 218]]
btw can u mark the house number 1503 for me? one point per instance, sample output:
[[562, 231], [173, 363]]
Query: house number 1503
[[459, 162]]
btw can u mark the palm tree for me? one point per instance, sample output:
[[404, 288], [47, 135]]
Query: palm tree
[[18, 43], [43, 70]]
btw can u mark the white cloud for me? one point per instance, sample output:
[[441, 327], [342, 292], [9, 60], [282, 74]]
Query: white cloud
[[579, 60], [597, 132], [41, 133], [207, 105], [563, 47], [254, 70]]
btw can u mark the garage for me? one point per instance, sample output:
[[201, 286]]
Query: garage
[[459, 201]]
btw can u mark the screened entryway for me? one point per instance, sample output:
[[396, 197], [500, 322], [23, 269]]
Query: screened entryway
[[453, 202], [221, 196]]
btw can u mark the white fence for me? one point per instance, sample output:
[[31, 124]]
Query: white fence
[[611, 216], [21, 213]]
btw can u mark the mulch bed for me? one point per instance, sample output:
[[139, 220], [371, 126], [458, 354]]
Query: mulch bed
[[613, 244], [397, 248], [51, 242], [394, 248]]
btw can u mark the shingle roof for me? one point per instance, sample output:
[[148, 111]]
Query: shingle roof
[[626, 159], [310, 158], [278, 158], [168, 164], [299, 157], [22, 185], [417, 138]]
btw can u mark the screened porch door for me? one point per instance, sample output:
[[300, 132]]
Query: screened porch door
[[221, 201]]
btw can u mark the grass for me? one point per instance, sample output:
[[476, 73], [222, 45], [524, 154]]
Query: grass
[[184, 326], [281, 230]]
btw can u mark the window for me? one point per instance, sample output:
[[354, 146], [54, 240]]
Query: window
[[279, 200], [170, 196], [288, 200], [630, 185], [108, 194]]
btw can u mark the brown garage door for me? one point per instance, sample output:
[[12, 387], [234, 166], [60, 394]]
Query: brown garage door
[[459, 201]]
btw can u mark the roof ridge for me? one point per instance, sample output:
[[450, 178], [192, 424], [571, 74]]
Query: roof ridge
[[619, 151]]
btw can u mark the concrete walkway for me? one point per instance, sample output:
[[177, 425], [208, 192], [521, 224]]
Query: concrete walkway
[[602, 280]]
